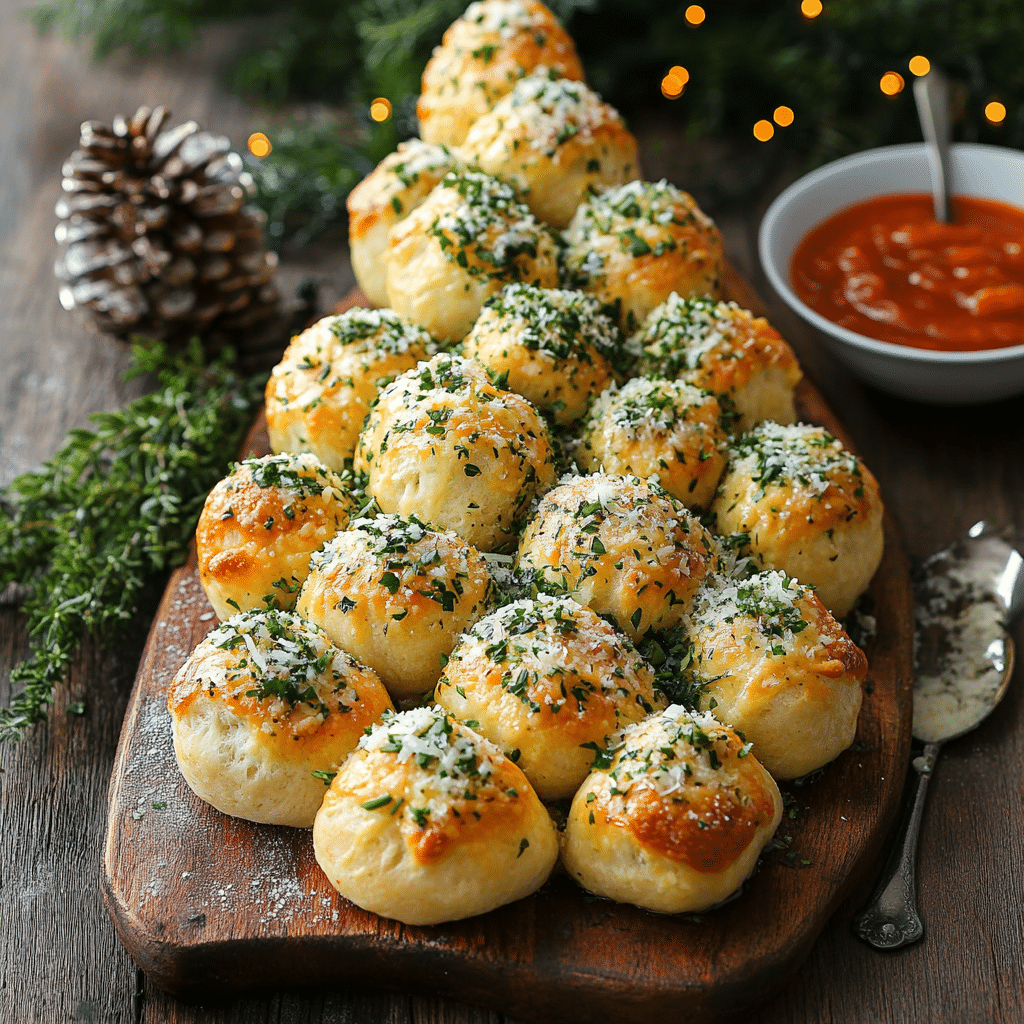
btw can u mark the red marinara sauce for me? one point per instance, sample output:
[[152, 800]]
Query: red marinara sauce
[[887, 269]]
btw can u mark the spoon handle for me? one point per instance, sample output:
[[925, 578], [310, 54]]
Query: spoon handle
[[890, 919], [931, 94]]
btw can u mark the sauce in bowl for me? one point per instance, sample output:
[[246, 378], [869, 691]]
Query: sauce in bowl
[[887, 269]]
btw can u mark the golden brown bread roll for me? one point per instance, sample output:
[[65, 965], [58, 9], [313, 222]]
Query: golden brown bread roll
[[634, 245], [469, 237], [667, 430], [444, 444], [777, 667], [799, 501], [555, 345], [320, 392], [548, 681], [259, 526], [675, 823], [726, 349], [622, 546], [261, 704], [428, 822], [556, 143], [396, 594], [391, 191], [482, 55]]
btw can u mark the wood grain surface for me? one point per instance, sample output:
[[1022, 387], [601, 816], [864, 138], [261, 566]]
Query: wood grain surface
[[941, 469]]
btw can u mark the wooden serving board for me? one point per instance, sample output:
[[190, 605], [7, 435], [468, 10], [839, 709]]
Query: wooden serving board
[[208, 904]]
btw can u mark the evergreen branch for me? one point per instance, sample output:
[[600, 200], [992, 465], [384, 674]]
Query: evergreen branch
[[747, 58], [96, 528]]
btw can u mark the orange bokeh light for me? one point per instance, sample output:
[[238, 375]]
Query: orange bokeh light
[[919, 66], [783, 116], [891, 83], [671, 87], [259, 145], [810, 8], [380, 109], [995, 112], [695, 14], [763, 131], [674, 82]]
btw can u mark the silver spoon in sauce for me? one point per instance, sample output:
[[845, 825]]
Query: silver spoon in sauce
[[965, 595], [931, 95]]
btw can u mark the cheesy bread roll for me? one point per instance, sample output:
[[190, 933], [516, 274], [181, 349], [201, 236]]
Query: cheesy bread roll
[[556, 346], [548, 681], [391, 191], [428, 822], [320, 392], [666, 429], [799, 501], [446, 445], [481, 56], [776, 666], [622, 546], [634, 245], [259, 526], [678, 819], [263, 703], [469, 237], [396, 594], [556, 143], [725, 349]]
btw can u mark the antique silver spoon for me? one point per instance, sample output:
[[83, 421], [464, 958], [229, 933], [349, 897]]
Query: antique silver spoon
[[964, 598], [931, 94]]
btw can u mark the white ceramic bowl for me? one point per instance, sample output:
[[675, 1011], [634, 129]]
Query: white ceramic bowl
[[950, 378]]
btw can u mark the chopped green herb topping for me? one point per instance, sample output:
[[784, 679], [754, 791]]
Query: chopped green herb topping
[[283, 656]]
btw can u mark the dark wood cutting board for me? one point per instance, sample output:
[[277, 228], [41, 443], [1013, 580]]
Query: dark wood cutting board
[[209, 905]]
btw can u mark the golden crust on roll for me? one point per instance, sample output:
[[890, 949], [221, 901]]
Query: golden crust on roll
[[556, 143], [391, 191], [776, 666], [675, 823], [263, 703], [444, 444], [666, 429], [799, 501], [320, 392], [259, 526], [548, 681], [622, 546], [467, 239], [555, 345], [634, 245], [481, 56], [726, 349], [396, 594], [429, 822]]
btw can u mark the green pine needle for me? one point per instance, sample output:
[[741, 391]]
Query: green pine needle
[[99, 525]]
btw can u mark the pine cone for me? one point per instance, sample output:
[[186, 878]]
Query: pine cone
[[160, 240]]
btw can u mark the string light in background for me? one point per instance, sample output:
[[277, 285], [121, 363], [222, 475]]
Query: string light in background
[[995, 112], [919, 66], [380, 109], [259, 145], [763, 131], [783, 116], [674, 82], [810, 8], [891, 83], [695, 14]]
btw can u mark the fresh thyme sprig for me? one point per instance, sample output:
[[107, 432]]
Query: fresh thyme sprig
[[99, 524]]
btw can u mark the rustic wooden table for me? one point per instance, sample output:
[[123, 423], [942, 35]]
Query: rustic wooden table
[[941, 469]]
